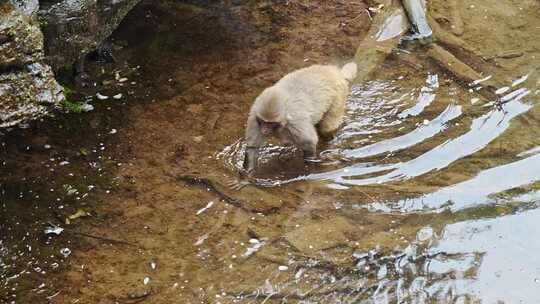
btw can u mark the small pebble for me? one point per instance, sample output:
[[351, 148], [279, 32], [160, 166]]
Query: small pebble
[[146, 280], [283, 268], [117, 96]]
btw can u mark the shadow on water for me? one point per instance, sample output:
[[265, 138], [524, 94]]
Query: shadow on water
[[52, 172]]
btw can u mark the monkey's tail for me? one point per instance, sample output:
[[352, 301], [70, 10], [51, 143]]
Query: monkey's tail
[[349, 71]]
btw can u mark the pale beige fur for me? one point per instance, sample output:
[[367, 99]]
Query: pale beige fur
[[302, 101]]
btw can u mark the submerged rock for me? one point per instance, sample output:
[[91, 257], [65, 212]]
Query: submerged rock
[[321, 235], [28, 89]]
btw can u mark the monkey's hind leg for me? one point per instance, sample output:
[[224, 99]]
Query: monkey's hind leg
[[332, 120]]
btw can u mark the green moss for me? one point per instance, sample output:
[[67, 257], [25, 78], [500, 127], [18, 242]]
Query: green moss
[[69, 104], [73, 106]]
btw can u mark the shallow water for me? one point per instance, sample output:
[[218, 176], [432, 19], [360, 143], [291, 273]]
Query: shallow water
[[444, 149], [428, 193], [47, 179]]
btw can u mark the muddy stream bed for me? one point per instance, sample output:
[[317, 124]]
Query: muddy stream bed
[[429, 193]]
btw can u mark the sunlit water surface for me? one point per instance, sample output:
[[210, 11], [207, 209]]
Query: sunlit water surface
[[404, 132]]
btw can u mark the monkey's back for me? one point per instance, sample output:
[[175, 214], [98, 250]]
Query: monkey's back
[[312, 90]]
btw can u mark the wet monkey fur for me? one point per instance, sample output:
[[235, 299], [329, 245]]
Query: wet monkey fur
[[300, 107]]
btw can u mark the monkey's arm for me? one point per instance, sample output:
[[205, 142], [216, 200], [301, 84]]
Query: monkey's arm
[[304, 136], [254, 140]]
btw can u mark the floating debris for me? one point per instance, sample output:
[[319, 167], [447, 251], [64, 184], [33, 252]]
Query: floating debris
[[86, 107], [76, 215], [117, 96], [113, 131], [65, 252], [53, 230], [251, 250], [124, 79], [70, 190], [101, 96]]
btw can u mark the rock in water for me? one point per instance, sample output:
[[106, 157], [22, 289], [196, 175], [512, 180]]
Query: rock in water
[[318, 236], [30, 52], [28, 89], [73, 28]]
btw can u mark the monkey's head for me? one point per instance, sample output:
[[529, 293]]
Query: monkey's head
[[270, 111]]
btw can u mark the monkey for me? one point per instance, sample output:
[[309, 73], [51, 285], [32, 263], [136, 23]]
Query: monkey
[[300, 107]]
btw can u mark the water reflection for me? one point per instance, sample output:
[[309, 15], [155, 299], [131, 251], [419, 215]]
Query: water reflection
[[371, 108], [427, 96], [483, 130], [475, 191], [410, 139], [374, 108], [509, 254], [466, 262]]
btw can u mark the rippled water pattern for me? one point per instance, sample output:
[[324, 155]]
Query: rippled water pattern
[[462, 262]]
